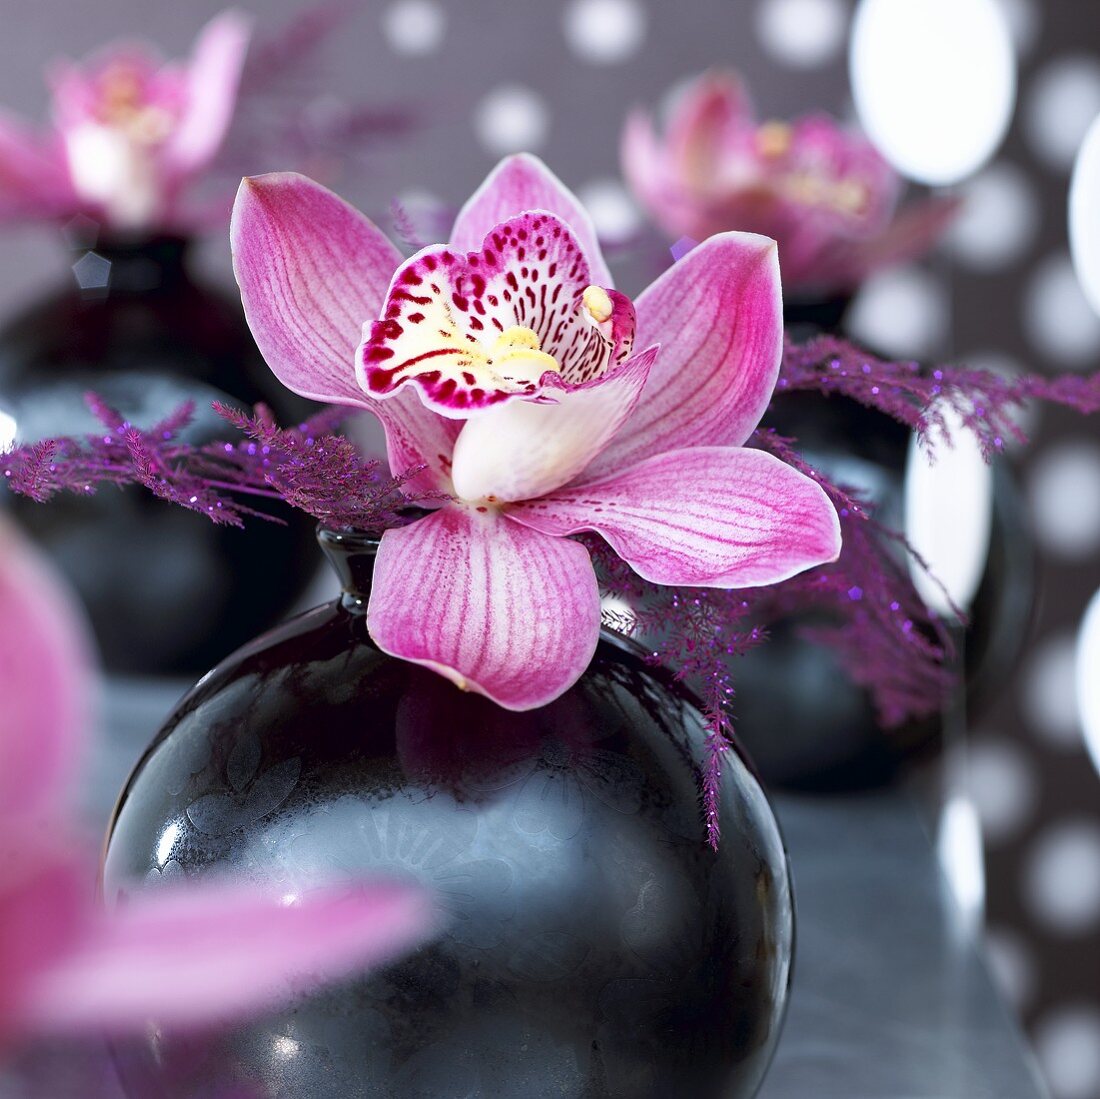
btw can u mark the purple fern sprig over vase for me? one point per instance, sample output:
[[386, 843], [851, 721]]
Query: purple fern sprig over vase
[[167, 592], [596, 944], [832, 732]]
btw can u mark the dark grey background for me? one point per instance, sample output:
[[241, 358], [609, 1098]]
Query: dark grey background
[[1002, 296]]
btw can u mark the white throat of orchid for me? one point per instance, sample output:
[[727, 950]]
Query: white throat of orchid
[[112, 155]]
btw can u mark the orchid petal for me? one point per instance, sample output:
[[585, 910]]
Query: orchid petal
[[472, 330], [910, 235], [194, 955], [212, 79], [33, 179], [516, 185], [711, 118], [645, 166], [44, 909], [718, 316], [312, 270], [45, 685], [716, 517], [523, 449], [495, 607]]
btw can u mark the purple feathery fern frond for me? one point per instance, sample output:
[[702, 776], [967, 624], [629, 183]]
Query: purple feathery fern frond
[[916, 396], [309, 467], [863, 606], [317, 471]]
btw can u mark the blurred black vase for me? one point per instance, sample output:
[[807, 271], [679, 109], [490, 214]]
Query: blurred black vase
[[167, 591], [595, 945], [806, 725]]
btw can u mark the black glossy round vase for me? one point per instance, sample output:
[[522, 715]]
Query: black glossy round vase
[[806, 725], [167, 591], [594, 945]]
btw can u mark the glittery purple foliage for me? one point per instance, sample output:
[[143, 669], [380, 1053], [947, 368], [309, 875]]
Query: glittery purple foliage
[[310, 467], [917, 396], [863, 606]]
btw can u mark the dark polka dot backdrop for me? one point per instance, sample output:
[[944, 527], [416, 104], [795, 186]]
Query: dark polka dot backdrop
[[487, 77]]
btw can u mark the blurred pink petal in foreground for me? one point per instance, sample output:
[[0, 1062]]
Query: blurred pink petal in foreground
[[820, 190], [130, 132], [187, 954], [45, 685]]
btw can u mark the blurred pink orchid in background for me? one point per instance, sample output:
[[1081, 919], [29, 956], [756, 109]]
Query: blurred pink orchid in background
[[129, 134], [184, 954], [821, 190], [502, 366]]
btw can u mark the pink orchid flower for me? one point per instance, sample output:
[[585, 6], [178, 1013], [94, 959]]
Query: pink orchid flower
[[183, 955], [130, 133], [822, 191], [504, 363]]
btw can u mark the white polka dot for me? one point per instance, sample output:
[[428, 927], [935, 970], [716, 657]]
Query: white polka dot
[[1012, 965], [604, 31], [1048, 692], [998, 219], [613, 211], [8, 431], [1059, 320], [1067, 1042], [1064, 99], [802, 33], [414, 27], [1062, 878], [1001, 786], [1084, 215], [1088, 677], [902, 312], [1064, 490], [1023, 23], [511, 119]]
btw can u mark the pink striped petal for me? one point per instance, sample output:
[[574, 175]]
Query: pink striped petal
[[523, 449], [200, 954], [45, 685], [213, 76], [312, 270], [715, 517], [717, 315], [494, 606], [472, 330], [517, 184]]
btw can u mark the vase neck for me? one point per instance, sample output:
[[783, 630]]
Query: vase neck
[[806, 317], [351, 555], [129, 264]]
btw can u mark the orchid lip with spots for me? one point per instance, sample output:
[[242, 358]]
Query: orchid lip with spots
[[538, 402]]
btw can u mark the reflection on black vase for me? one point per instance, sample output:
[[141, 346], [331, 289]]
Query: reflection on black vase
[[167, 591], [823, 735], [595, 945]]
